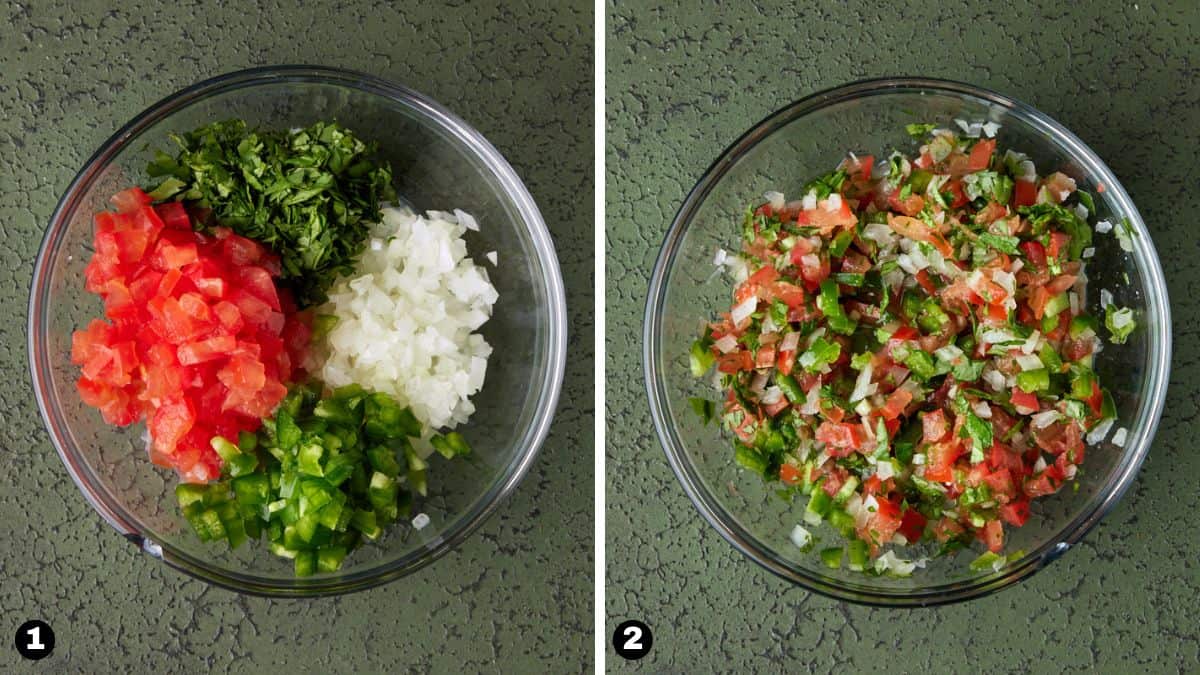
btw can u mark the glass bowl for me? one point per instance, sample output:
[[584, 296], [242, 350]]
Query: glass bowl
[[439, 162], [805, 140]]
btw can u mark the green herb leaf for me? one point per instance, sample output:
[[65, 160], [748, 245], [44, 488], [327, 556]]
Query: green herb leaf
[[919, 131], [309, 195]]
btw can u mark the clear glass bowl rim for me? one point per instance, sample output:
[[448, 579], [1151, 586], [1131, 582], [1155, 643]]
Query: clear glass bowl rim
[[458, 531], [1141, 432]]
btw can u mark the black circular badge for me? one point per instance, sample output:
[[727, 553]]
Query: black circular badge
[[35, 640], [632, 639]]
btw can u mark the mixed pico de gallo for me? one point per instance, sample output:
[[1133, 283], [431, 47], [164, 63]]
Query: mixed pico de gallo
[[908, 345], [213, 283]]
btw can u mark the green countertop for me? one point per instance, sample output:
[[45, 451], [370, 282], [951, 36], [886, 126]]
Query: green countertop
[[518, 595], [685, 82]]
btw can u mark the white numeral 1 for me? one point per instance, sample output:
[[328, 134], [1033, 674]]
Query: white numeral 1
[[36, 634]]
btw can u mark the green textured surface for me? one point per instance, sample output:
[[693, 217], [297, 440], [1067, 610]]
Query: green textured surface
[[682, 84], [518, 595]]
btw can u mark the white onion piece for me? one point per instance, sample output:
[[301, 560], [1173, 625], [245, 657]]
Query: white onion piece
[[801, 537], [1100, 431], [863, 383], [743, 310], [1044, 419], [789, 342], [726, 344], [407, 317], [1119, 437], [1028, 362]]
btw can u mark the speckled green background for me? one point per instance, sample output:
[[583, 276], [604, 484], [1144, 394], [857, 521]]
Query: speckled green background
[[517, 597], [684, 80]]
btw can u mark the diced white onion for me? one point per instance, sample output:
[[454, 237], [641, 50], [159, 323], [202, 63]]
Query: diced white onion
[[1028, 361], [789, 342], [885, 470], [407, 318], [995, 379], [1104, 227], [990, 129], [812, 401], [810, 201], [982, 409], [466, 220], [772, 395], [800, 536], [880, 234], [1040, 465], [889, 562], [775, 199], [1031, 344], [864, 409], [759, 384], [1106, 298], [1100, 431], [834, 203], [420, 521], [1121, 319], [1119, 437], [1044, 419], [1006, 281], [720, 257], [726, 344], [1089, 252], [810, 260], [949, 353], [863, 383], [997, 336], [743, 310]]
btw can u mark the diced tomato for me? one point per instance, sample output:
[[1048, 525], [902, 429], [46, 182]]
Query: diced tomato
[[735, 361], [840, 438], [912, 525], [881, 525], [946, 529], [130, 200], [827, 220], [1024, 193], [765, 357], [981, 155], [955, 187], [992, 535], [1058, 244], [1025, 402], [1001, 456], [1001, 484], [1040, 485], [940, 458], [1015, 513], [170, 422], [191, 353], [173, 215], [897, 401], [168, 256], [909, 206], [241, 251], [177, 353], [926, 283], [934, 426], [789, 474], [917, 230]]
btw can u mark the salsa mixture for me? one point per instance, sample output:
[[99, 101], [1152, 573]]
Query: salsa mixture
[[908, 347], [215, 286]]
